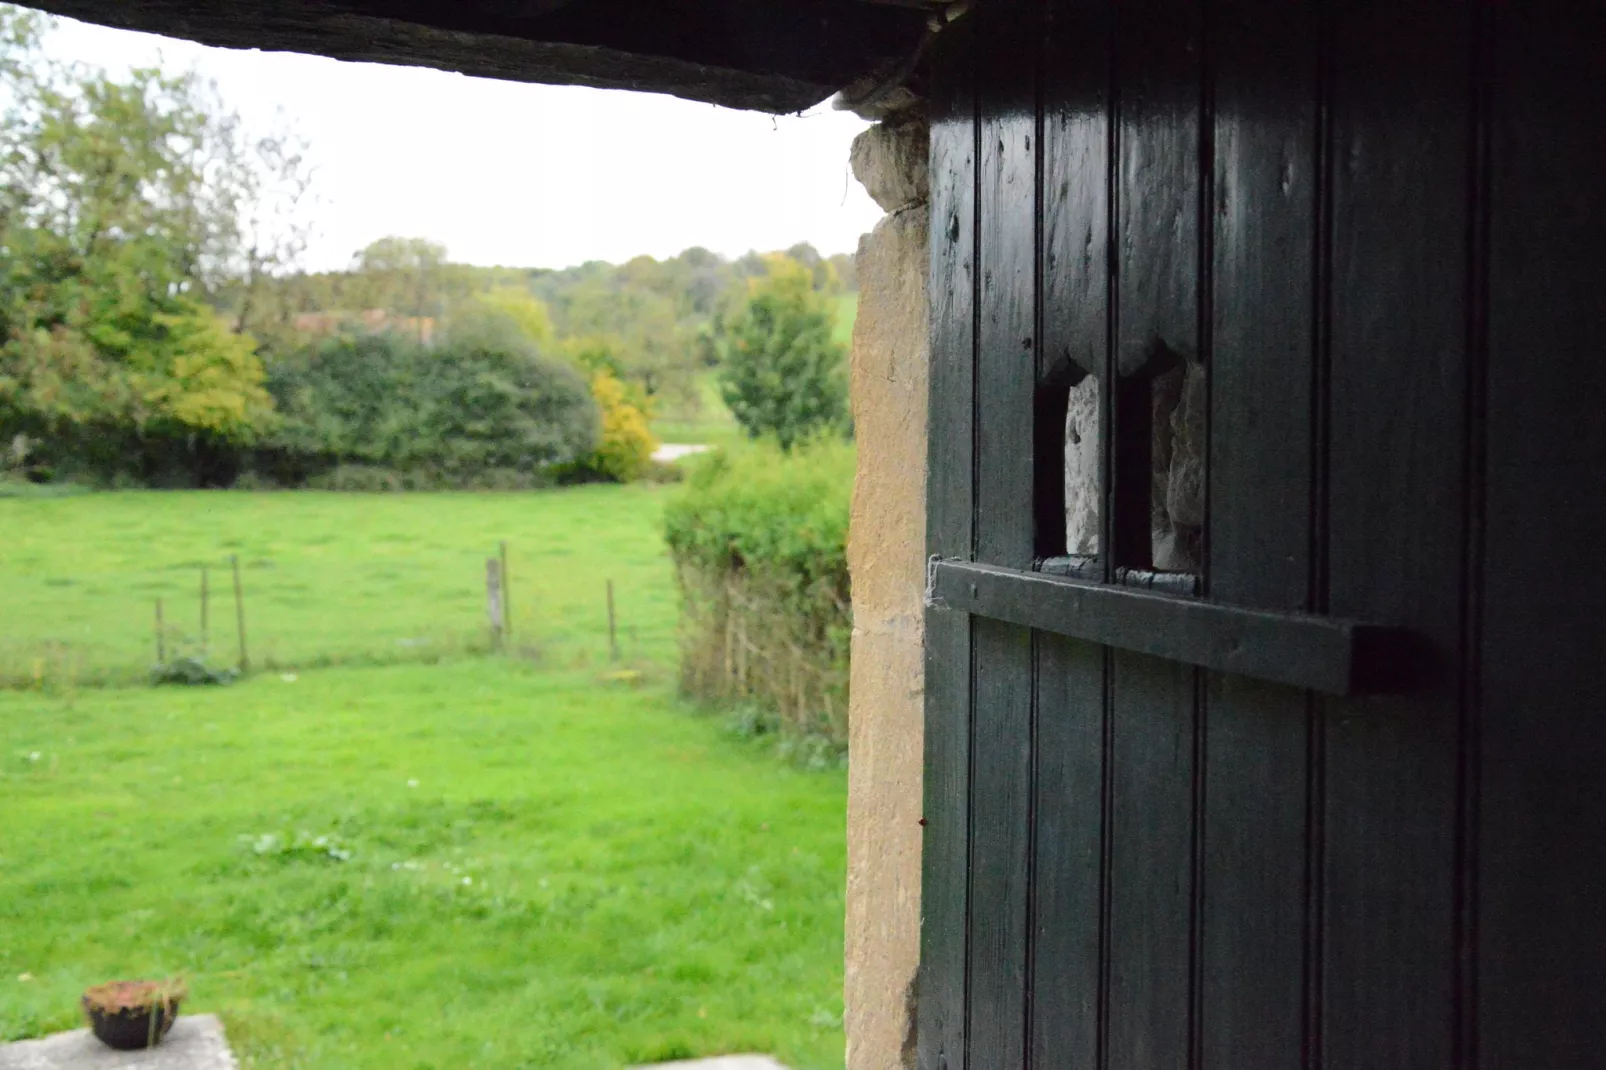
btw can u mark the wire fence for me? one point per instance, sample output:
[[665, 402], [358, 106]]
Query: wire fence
[[743, 641], [228, 612]]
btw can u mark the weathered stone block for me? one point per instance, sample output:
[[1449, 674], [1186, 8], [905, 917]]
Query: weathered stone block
[[1082, 476], [886, 556], [890, 161]]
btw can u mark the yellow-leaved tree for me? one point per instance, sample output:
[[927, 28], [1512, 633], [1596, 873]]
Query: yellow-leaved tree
[[625, 452], [524, 309], [202, 377]]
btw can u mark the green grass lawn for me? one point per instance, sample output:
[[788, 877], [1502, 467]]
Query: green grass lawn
[[329, 578], [477, 864], [704, 422], [418, 857]]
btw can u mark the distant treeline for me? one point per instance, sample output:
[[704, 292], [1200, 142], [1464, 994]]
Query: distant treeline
[[371, 368], [155, 328], [653, 322]]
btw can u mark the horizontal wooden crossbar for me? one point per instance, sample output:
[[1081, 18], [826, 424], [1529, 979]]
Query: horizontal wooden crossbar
[[1337, 657]]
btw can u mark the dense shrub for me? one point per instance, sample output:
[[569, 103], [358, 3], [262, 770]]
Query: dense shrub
[[759, 540], [106, 392], [624, 454], [483, 402]]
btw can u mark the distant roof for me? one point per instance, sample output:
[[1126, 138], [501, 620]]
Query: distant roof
[[766, 55]]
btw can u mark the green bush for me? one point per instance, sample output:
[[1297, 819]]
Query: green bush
[[758, 507], [782, 372], [484, 408], [759, 540], [625, 453]]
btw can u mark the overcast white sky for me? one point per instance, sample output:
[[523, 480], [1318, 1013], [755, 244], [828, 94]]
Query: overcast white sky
[[526, 175]]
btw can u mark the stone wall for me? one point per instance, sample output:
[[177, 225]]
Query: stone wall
[[886, 554], [1179, 390]]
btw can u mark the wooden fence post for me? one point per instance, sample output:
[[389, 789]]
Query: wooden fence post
[[507, 595], [493, 599], [239, 611], [206, 600], [613, 628]]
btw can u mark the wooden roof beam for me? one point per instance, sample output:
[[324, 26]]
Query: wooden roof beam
[[765, 55]]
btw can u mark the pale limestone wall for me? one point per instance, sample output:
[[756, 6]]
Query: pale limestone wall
[[886, 553]]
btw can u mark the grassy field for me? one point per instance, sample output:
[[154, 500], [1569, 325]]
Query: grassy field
[[329, 578], [707, 422], [480, 864], [418, 857]]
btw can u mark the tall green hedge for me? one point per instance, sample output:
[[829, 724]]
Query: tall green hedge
[[483, 402], [759, 539]]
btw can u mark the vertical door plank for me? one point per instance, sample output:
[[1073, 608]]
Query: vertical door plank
[[1069, 756], [1067, 872], [1006, 376], [1001, 768], [1396, 523], [1157, 58], [1151, 868], [1263, 55], [1540, 937], [1158, 46], [950, 533], [1006, 369]]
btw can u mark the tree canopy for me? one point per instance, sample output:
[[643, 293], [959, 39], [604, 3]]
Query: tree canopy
[[782, 374], [121, 214]]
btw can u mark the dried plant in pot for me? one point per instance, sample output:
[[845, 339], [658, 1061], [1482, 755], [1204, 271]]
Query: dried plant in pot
[[130, 1015]]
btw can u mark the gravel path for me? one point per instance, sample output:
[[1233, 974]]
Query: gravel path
[[669, 453]]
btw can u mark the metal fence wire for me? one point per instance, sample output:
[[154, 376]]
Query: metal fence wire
[[103, 627]]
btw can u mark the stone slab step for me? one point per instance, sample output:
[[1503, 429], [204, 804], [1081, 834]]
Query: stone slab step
[[195, 1042], [722, 1062]]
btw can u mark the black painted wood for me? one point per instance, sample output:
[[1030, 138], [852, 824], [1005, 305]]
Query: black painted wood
[[1535, 937], [1068, 771], [1325, 654], [1158, 68], [1001, 792], [1152, 755], [1006, 369], [950, 492], [1067, 899], [1006, 387], [1395, 492], [1257, 815], [1381, 225]]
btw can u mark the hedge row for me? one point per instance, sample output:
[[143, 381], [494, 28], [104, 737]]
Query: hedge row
[[759, 539]]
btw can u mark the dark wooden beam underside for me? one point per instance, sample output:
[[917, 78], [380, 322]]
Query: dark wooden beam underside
[[777, 56]]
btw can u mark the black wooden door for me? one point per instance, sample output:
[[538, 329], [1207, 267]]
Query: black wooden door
[[1332, 797]]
